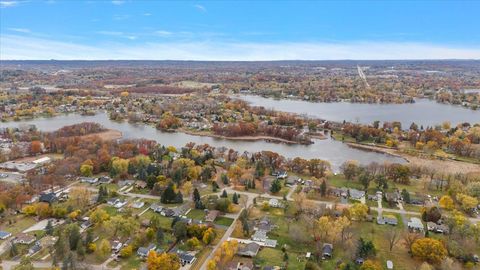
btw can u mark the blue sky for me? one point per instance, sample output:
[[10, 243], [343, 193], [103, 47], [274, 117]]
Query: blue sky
[[238, 30]]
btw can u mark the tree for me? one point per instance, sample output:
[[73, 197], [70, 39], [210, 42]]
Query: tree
[[323, 188], [366, 248], [168, 195], [235, 198], [126, 251], [349, 169], [429, 249], [467, 202], [119, 167], [371, 265], [119, 225], [180, 230], [104, 248], [358, 211], [99, 216], [86, 170], [49, 228], [224, 194], [406, 196], [365, 179], [159, 236], [35, 147], [193, 243], [163, 261], [393, 236], [276, 186], [208, 236], [196, 195]]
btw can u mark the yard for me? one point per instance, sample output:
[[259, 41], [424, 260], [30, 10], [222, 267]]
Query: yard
[[17, 224], [274, 257], [197, 214], [224, 221]]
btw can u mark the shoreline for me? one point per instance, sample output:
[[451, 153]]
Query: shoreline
[[447, 165], [240, 138]]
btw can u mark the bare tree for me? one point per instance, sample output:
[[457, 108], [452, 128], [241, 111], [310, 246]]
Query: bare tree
[[393, 236]]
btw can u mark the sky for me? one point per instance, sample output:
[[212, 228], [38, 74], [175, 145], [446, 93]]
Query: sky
[[238, 30]]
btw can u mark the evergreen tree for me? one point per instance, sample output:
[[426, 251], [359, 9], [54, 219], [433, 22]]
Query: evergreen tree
[[224, 194], [13, 250], [235, 198], [196, 195], [276, 186], [80, 249], [168, 194], [179, 197], [49, 228], [323, 188], [224, 179], [159, 236]]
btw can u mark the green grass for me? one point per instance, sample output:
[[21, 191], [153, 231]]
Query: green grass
[[197, 214], [201, 257], [133, 262], [224, 221], [18, 224], [274, 257]]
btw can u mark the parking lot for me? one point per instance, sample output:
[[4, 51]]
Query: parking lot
[[12, 177]]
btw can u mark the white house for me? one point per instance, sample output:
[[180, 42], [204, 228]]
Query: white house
[[415, 224], [274, 203]]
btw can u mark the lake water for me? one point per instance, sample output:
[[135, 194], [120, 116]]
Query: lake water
[[423, 112], [334, 151]]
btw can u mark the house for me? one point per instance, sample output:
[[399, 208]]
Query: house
[[249, 250], [113, 201], [263, 224], [415, 224], [116, 246], [156, 208], [141, 184], [327, 250], [438, 228], [143, 251], [259, 236], [186, 258], [167, 212], [212, 215], [390, 220], [23, 238], [138, 204], [104, 180], [274, 203], [4, 235], [86, 224], [236, 265], [393, 196], [48, 241], [90, 180], [282, 175], [48, 197], [35, 248], [356, 194]]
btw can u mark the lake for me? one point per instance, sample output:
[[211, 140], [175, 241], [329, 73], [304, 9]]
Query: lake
[[423, 112], [334, 151]]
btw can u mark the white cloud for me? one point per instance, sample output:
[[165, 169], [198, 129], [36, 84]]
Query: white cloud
[[20, 30], [110, 33], [118, 2], [147, 14], [24, 48], [6, 4], [201, 8], [163, 33]]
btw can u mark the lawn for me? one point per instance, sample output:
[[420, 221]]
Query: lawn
[[18, 224], [274, 257], [197, 214], [165, 222], [224, 221]]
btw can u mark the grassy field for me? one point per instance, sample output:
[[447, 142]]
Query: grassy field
[[197, 214], [224, 221], [17, 224], [274, 257]]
